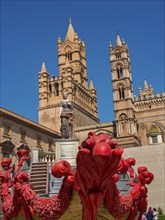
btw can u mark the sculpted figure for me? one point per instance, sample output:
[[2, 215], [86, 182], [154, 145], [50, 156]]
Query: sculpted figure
[[66, 117]]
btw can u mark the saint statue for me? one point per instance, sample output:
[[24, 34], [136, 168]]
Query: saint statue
[[66, 115]]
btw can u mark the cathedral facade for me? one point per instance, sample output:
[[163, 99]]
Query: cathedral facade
[[139, 120]]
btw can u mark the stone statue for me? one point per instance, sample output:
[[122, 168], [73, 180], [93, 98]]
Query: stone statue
[[66, 115]]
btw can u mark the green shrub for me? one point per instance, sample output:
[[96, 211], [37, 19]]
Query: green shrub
[[161, 217], [160, 210]]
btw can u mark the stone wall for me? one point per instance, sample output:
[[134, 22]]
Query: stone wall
[[82, 132], [33, 133], [153, 157]]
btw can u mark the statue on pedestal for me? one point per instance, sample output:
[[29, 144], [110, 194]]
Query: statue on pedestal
[[66, 115]]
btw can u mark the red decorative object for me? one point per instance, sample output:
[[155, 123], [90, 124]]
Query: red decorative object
[[25, 198], [22, 155], [99, 162]]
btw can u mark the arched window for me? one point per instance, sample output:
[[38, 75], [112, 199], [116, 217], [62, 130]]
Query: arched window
[[155, 135], [68, 55], [56, 85], [119, 72], [121, 92], [50, 90], [118, 54], [123, 116]]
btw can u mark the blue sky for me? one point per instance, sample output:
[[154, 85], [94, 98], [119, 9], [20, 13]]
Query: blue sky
[[29, 32]]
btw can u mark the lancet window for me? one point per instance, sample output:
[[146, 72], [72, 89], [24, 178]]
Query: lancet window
[[121, 93], [56, 86], [68, 55], [119, 72], [118, 54]]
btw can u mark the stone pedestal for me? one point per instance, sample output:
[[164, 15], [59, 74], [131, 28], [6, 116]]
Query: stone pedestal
[[66, 149]]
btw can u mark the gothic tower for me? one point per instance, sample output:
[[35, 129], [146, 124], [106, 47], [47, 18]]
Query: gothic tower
[[72, 78], [125, 119]]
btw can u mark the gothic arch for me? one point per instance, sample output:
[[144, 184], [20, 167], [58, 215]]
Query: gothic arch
[[119, 64], [160, 125], [156, 133], [68, 50], [50, 88], [123, 116], [121, 93], [117, 53], [56, 87], [120, 84], [68, 47]]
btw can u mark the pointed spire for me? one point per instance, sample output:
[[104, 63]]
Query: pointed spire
[[43, 69], [145, 84], [59, 41], [91, 86], [70, 32], [118, 41], [123, 41], [151, 90], [110, 44]]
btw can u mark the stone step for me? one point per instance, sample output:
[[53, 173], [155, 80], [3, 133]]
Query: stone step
[[38, 187], [38, 179], [39, 164], [36, 183], [40, 191], [38, 172], [42, 175]]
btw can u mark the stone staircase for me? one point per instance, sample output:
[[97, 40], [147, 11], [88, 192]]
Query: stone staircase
[[39, 178], [54, 185]]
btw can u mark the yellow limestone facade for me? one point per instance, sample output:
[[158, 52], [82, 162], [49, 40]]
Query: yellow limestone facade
[[139, 120], [72, 77]]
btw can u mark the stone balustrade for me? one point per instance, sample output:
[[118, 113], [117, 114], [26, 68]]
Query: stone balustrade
[[48, 157]]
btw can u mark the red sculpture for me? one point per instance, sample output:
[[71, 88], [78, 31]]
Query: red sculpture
[[99, 162], [25, 198]]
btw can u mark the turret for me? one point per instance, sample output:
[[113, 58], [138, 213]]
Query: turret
[[43, 77]]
